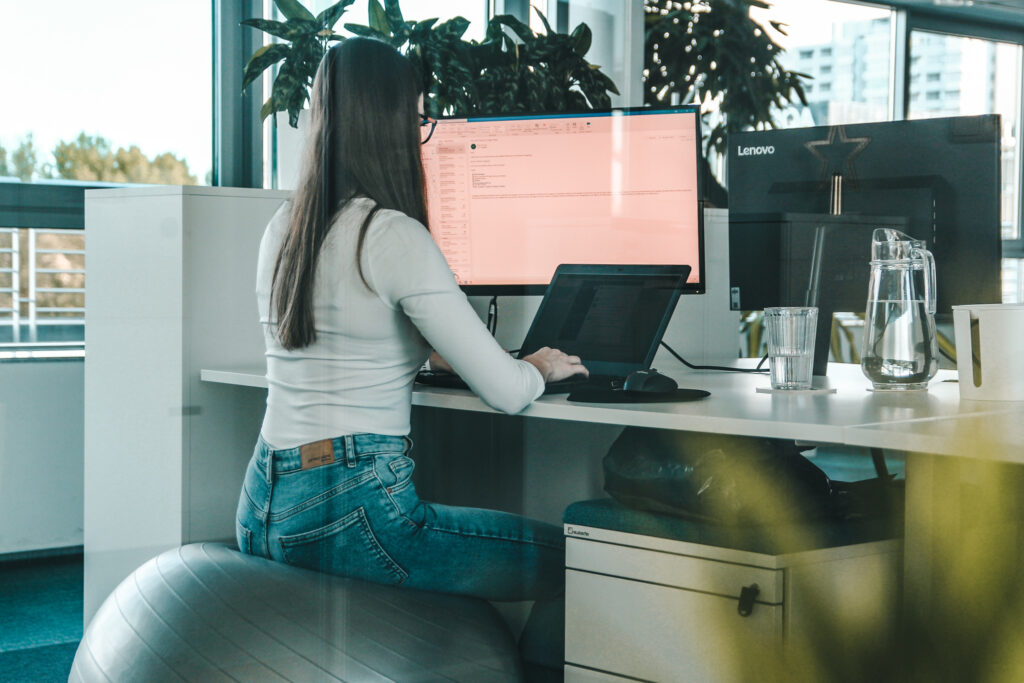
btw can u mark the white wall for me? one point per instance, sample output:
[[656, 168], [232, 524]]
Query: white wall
[[40, 455]]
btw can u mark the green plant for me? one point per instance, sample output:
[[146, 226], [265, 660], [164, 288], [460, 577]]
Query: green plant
[[513, 70], [306, 39], [702, 49]]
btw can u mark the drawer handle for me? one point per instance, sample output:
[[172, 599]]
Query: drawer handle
[[747, 596]]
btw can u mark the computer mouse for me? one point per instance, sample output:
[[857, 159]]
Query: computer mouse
[[650, 381]]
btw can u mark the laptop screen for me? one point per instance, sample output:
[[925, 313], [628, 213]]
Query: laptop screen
[[613, 317]]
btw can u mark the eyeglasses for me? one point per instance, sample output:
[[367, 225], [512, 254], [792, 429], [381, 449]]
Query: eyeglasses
[[426, 121]]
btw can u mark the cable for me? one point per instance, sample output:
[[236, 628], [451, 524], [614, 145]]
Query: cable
[[723, 368]]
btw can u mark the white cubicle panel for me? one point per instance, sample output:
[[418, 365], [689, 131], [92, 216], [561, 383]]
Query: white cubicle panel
[[172, 274]]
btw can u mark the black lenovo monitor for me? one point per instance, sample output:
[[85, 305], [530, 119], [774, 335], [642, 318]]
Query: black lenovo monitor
[[934, 179], [509, 198]]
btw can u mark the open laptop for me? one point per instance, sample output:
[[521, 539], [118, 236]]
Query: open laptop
[[612, 316]]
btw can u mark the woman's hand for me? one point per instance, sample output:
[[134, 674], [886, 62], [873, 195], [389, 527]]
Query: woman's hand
[[555, 365], [437, 363]]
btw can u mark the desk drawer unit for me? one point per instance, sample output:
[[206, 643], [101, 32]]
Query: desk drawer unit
[[654, 609], [661, 633]]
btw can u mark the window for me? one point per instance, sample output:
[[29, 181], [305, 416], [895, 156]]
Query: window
[[42, 290], [105, 89], [105, 108], [852, 46], [934, 78], [983, 77]]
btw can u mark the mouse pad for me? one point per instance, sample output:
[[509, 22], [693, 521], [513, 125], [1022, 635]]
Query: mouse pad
[[592, 395]]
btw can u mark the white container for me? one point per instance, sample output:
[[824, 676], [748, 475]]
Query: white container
[[989, 341]]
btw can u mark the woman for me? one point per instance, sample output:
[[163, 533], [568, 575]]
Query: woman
[[353, 294]]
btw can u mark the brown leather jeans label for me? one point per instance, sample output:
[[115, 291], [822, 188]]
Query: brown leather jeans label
[[317, 453]]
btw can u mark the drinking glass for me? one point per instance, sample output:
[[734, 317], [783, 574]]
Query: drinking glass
[[790, 331]]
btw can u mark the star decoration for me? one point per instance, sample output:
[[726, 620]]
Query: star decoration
[[837, 155]]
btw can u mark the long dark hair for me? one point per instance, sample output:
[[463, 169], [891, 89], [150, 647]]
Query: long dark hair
[[364, 140]]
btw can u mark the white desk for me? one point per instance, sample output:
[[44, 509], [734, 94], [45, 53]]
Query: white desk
[[852, 416]]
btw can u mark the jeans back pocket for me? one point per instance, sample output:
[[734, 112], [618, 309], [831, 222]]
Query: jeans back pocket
[[346, 547]]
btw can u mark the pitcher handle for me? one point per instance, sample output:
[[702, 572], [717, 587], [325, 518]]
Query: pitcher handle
[[929, 279]]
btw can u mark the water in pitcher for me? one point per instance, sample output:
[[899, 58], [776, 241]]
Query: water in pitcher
[[901, 352]]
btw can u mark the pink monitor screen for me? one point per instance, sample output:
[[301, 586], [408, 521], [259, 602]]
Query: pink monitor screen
[[511, 198]]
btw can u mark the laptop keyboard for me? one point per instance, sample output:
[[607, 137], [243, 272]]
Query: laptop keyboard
[[565, 386]]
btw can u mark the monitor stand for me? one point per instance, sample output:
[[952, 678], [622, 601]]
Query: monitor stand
[[814, 297], [822, 341]]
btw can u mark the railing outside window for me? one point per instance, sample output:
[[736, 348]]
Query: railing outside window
[[42, 290]]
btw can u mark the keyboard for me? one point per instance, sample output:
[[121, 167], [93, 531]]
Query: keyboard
[[449, 381]]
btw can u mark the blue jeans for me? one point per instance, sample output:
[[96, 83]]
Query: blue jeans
[[359, 516]]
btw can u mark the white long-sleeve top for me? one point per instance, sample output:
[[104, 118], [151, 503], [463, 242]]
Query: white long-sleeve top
[[357, 376]]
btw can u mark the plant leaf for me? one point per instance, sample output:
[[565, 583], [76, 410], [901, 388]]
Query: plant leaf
[[582, 38], [544, 19], [394, 14], [261, 59], [288, 31], [268, 108], [293, 9], [329, 17], [453, 28], [378, 18], [519, 28], [365, 31]]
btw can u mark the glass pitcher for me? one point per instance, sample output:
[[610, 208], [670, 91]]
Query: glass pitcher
[[900, 351]]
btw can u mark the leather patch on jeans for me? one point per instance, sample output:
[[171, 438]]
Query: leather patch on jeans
[[317, 453]]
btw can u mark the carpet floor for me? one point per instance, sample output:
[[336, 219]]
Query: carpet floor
[[40, 618]]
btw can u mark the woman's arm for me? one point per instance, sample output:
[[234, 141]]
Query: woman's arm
[[552, 364], [407, 270]]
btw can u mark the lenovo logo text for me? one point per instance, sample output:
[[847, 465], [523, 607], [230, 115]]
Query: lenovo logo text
[[761, 150]]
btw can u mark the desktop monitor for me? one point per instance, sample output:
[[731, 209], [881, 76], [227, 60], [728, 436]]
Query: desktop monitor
[[934, 179], [509, 198]]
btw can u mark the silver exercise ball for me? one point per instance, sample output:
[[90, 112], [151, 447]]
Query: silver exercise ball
[[206, 612]]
